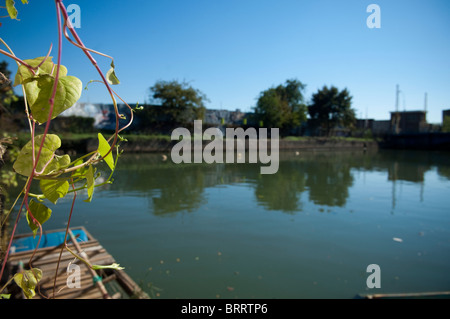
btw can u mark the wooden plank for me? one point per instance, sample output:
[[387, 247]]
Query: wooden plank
[[418, 295], [47, 259]]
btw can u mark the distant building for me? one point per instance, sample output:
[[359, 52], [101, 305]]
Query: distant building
[[378, 127], [444, 114], [409, 122], [222, 117], [381, 127]]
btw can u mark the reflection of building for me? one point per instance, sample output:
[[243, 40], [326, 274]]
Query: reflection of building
[[409, 122]]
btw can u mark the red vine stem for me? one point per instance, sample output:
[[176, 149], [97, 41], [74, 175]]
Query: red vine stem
[[91, 58], [65, 237], [36, 160]]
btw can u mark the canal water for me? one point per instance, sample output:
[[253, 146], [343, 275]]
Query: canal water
[[308, 231]]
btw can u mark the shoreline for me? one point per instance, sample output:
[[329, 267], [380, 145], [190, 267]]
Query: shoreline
[[145, 145]]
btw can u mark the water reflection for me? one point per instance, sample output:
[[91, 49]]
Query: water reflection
[[323, 178]]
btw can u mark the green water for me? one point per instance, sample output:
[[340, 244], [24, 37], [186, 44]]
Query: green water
[[309, 231]]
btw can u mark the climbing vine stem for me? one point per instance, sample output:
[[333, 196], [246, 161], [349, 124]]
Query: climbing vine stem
[[48, 90]]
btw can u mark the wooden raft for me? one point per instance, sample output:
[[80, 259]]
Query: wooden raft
[[117, 283]]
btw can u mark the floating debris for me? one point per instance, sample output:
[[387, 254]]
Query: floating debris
[[230, 288], [399, 240]]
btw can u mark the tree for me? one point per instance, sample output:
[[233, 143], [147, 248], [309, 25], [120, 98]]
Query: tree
[[6, 92], [283, 106], [180, 102], [330, 108], [9, 121]]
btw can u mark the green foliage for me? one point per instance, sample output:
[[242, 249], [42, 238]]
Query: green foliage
[[39, 212], [330, 108], [39, 88], [111, 75], [54, 189], [28, 280], [48, 91], [283, 106], [180, 102], [48, 162], [12, 11], [7, 95], [112, 266], [90, 183], [104, 150]]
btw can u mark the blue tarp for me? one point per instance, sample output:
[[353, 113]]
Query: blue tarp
[[47, 240]]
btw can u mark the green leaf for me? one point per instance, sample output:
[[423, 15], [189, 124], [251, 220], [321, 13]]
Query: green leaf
[[24, 162], [24, 75], [28, 280], [54, 189], [40, 212], [111, 76], [103, 149], [90, 183], [112, 266], [25, 1], [11, 9], [39, 92], [81, 172], [5, 296]]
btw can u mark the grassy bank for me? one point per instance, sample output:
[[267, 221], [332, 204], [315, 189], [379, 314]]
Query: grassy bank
[[86, 142]]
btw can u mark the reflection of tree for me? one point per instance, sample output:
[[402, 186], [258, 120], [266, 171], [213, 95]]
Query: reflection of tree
[[328, 180], [169, 187], [179, 189], [325, 176], [281, 191]]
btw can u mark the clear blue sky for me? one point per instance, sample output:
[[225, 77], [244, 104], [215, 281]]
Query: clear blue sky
[[232, 50]]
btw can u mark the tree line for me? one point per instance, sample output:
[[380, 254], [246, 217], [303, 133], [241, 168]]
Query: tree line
[[177, 104], [283, 106]]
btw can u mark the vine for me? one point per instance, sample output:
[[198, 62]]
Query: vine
[[48, 90]]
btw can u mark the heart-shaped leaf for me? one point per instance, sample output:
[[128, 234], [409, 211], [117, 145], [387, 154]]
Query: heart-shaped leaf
[[40, 212], [39, 92], [52, 163], [24, 162], [54, 189], [24, 75], [28, 280]]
